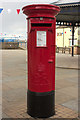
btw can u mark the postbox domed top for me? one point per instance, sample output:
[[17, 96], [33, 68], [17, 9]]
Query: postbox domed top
[[41, 10]]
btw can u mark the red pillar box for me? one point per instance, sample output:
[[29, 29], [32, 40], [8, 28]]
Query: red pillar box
[[41, 59]]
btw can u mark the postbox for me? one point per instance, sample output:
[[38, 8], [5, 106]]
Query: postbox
[[41, 59]]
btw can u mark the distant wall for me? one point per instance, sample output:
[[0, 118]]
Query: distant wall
[[64, 37]]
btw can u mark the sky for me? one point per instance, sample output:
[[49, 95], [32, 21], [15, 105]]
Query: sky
[[13, 24]]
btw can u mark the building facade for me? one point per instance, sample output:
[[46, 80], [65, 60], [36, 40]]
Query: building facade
[[64, 36]]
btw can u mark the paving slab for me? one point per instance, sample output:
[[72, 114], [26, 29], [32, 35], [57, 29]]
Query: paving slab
[[67, 61], [73, 104]]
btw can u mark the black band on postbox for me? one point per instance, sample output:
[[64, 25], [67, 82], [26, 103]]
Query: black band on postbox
[[41, 105]]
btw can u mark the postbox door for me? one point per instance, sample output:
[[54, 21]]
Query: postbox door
[[41, 60]]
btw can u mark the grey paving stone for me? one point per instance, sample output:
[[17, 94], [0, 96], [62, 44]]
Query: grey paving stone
[[73, 104], [66, 60]]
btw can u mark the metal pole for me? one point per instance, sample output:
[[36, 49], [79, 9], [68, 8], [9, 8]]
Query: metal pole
[[73, 40], [63, 37]]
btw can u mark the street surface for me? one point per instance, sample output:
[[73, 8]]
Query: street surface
[[14, 85]]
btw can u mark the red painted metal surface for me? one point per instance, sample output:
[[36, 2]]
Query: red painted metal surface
[[41, 10], [41, 59]]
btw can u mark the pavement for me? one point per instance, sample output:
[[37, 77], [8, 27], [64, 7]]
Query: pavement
[[67, 61], [14, 85]]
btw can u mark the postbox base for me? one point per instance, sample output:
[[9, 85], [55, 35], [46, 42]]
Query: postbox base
[[41, 105]]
